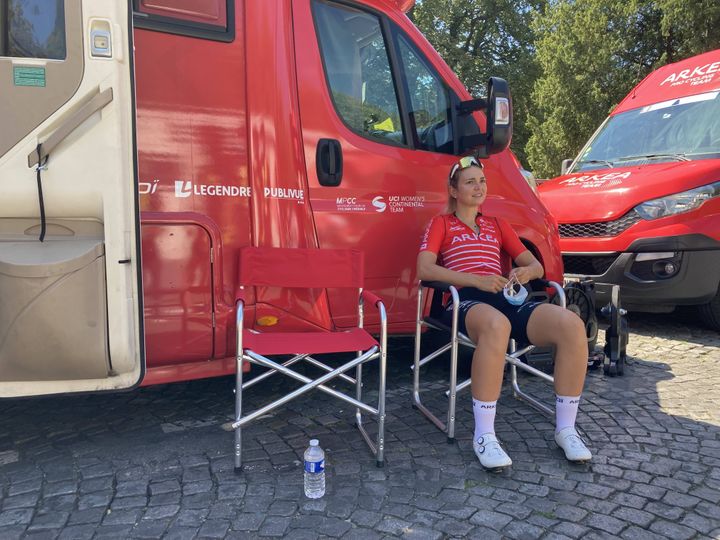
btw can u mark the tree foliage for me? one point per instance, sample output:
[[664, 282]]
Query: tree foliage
[[592, 52], [568, 62]]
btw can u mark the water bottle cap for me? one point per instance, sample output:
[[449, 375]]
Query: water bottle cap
[[314, 442]]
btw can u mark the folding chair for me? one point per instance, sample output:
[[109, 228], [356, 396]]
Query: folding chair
[[458, 338], [308, 269]]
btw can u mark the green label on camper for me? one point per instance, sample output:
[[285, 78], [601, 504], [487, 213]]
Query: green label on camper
[[29, 76]]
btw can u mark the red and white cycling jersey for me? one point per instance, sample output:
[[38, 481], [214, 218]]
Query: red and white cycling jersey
[[460, 249]]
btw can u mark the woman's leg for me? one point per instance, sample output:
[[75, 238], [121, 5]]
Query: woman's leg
[[490, 330], [553, 325]]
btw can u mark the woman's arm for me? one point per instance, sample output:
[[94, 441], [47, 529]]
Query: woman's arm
[[528, 267], [429, 270]]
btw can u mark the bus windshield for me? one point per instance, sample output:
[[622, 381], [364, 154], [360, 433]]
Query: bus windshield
[[676, 130]]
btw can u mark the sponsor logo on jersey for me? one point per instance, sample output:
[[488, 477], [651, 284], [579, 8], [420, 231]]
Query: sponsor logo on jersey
[[482, 237]]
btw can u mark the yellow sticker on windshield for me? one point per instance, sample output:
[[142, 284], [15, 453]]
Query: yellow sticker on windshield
[[386, 125]]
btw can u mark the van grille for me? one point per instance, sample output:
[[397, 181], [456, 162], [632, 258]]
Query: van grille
[[604, 228], [588, 265]]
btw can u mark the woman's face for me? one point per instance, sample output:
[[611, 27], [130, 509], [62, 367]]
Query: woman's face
[[471, 188]]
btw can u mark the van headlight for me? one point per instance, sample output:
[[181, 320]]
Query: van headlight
[[678, 203]]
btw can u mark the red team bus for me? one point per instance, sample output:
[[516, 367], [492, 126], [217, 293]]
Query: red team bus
[[143, 144]]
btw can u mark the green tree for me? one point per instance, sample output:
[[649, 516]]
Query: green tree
[[482, 38], [592, 52]]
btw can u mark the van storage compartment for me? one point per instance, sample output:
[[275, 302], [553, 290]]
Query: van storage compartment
[[53, 316]]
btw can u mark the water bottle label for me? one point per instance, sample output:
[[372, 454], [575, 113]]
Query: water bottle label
[[315, 466]]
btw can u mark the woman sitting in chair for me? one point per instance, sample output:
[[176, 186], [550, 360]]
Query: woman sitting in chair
[[463, 248]]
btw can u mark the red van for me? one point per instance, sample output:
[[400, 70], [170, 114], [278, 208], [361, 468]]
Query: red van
[[146, 142], [640, 205]]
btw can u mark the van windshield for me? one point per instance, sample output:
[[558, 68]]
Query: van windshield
[[681, 129]]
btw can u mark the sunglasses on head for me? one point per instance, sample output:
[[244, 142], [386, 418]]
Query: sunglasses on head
[[464, 163]]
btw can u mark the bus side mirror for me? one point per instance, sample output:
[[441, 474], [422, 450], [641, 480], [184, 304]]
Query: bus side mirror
[[498, 117], [565, 166]]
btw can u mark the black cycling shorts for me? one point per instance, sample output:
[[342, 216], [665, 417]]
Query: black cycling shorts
[[518, 315]]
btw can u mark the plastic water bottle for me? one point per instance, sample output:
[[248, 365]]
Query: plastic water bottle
[[314, 470]]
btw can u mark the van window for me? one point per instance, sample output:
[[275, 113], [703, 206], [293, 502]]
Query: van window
[[675, 130], [33, 29], [429, 101], [357, 68], [206, 19], [209, 11]]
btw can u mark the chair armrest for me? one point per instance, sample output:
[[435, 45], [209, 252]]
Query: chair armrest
[[436, 285], [558, 289], [371, 298], [375, 300]]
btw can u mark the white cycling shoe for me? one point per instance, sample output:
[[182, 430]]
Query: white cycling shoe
[[573, 446], [490, 453]]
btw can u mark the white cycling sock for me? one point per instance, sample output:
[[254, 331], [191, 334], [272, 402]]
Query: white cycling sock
[[484, 412], [566, 408]]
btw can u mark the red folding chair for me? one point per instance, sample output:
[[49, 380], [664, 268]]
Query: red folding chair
[[309, 269]]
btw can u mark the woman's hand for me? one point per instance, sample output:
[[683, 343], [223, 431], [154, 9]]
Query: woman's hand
[[491, 284], [528, 267], [522, 273]]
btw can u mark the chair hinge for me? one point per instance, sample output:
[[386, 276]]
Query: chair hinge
[[213, 319]]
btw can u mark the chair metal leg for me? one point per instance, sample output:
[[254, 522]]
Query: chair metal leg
[[358, 394], [380, 456], [449, 426], [453, 366], [378, 446], [452, 397], [417, 403], [517, 392], [417, 364], [238, 386]]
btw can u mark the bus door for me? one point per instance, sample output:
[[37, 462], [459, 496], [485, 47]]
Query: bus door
[[70, 313]]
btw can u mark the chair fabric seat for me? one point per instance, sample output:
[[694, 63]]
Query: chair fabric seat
[[268, 343]]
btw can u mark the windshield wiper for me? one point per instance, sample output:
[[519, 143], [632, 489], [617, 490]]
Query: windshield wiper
[[608, 164], [676, 156]]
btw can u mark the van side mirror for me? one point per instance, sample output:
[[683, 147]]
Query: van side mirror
[[498, 117], [565, 166]]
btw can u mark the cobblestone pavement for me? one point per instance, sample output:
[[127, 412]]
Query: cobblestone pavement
[[157, 461]]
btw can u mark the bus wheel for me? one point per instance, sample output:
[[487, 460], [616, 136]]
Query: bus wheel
[[710, 312]]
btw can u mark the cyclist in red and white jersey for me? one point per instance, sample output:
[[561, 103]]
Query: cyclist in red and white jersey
[[466, 249]]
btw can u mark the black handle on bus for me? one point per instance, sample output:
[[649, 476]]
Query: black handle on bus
[[329, 162]]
